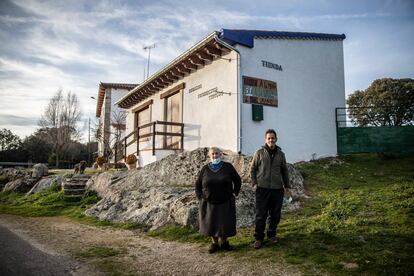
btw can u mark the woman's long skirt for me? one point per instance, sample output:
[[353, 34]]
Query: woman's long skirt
[[217, 220]]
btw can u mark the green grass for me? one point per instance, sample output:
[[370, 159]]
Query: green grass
[[360, 212], [53, 203]]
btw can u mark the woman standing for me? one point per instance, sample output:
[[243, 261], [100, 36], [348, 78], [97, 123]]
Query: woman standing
[[216, 187]]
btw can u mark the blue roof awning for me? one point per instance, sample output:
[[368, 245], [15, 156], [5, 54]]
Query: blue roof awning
[[246, 37]]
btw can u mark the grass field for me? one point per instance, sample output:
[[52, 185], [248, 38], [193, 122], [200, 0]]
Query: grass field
[[359, 218], [52, 202]]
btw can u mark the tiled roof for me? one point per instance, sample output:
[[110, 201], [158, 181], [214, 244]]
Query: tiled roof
[[246, 37], [105, 85], [201, 54], [210, 48]]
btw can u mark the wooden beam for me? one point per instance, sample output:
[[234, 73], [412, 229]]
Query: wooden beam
[[205, 56], [182, 69], [150, 88], [163, 85], [143, 106], [157, 86], [212, 51], [162, 82], [154, 87], [173, 90], [175, 72], [189, 65], [196, 60], [166, 80], [221, 48], [171, 76]]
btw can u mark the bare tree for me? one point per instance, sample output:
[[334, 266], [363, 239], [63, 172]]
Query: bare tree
[[59, 121], [112, 136], [118, 124]]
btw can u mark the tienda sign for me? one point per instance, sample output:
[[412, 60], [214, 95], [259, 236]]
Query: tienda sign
[[259, 91]]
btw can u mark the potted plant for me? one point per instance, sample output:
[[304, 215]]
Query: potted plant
[[131, 161]]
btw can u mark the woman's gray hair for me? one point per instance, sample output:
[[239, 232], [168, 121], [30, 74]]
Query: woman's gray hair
[[214, 149]]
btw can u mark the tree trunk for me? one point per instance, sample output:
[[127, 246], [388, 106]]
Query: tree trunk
[[57, 160]]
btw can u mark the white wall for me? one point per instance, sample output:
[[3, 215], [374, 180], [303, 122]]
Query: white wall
[[116, 94], [112, 95], [207, 122], [310, 87]]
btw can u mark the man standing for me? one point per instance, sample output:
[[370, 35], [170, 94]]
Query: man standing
[[270, 178]]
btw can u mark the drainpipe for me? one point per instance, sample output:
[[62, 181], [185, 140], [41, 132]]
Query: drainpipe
[[239, 94]]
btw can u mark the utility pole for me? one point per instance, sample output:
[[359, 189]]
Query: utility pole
[[149, 47], [89, 141]]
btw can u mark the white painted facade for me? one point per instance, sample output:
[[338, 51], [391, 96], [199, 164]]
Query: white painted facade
[[111, 95], [207, 122], [310, 87]]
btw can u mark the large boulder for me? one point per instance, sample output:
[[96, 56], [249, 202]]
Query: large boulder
[[39, 170], [45, 183], [163, 192], [21, 185], [10, 174]]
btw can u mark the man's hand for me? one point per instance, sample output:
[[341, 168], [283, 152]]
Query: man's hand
[[287, 191], [254, 187]]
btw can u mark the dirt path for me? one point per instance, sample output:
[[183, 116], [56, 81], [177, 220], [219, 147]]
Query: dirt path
[[138, 254]]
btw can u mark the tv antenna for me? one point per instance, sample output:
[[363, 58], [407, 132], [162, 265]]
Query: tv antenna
[[148, 47]]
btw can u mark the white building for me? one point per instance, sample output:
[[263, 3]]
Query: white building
[[110, 116], [231, 86]]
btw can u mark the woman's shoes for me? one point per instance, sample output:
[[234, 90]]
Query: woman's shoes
[[226, 246], [214, 247]]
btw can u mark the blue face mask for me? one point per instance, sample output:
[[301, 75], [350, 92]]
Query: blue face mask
[[216, 161]]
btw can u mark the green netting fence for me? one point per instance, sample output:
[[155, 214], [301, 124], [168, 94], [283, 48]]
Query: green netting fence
[[356, 139]]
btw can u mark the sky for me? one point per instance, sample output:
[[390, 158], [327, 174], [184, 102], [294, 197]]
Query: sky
[[74, 45]]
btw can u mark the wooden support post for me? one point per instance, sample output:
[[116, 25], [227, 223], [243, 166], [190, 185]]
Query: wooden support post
[[153, 138], [125, 147], [137, 130], [182, 136]]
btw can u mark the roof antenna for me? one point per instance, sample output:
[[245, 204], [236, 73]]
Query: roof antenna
[[148, 47]]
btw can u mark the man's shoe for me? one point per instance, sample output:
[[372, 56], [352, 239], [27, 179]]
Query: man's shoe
[[214, 247], [258, 244], [226, 246], [273, 240]]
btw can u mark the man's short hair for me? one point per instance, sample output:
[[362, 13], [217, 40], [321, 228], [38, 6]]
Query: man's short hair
[[270, 130]]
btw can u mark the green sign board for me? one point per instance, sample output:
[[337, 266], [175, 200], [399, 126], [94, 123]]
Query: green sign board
[[259, 91]]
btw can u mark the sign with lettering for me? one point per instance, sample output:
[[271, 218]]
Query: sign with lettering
[[259, 91], [272, 65], [194, 88]]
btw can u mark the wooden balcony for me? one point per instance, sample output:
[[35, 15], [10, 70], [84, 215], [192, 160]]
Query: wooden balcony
[[171, 132]]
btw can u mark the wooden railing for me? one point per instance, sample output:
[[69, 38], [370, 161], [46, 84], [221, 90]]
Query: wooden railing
[[137, 134]]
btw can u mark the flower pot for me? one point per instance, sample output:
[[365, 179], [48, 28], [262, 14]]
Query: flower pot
[[132, 166]]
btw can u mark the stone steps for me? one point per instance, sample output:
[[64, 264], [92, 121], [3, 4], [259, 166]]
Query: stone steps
[[74, 187]]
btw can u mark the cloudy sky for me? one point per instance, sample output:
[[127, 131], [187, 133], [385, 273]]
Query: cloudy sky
[[75, 45]]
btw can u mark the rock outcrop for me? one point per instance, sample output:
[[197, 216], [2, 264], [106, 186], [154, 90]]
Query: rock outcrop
[[162, 192], [45, 183], [21, 185], [39, 170]]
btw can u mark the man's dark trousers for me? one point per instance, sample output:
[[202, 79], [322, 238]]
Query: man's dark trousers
[[268, 203]]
